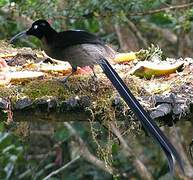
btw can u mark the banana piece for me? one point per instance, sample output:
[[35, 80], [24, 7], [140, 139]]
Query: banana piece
[[125, 57]]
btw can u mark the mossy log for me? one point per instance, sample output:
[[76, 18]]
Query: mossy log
[[82, 99], [167, 99]]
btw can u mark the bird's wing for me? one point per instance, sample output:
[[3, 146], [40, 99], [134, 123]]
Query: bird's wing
[[74, 37]]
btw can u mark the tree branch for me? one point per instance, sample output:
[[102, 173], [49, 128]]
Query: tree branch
[[154, 11], [137, 33], [140, 167], [176, 138], [62, 168], [85, 153]]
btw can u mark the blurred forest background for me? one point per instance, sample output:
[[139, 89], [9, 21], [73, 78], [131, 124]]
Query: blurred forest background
[[32, 151]]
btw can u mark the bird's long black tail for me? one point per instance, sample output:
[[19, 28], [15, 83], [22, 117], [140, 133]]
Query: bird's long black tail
[[147, 122]]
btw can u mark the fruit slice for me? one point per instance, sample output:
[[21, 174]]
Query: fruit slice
[[63, 68], [24, 75], [147, 69], [4, 79], [125, 57], [7, 55]]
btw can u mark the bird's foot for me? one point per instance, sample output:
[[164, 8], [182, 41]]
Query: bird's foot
[[63, 80], [94, 77], [4, 78], [84, 70], [3, 65]]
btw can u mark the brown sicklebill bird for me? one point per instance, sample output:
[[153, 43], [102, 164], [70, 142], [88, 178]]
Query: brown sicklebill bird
[[79, 47], [82, 48]]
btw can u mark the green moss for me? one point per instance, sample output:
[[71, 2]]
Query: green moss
[[38, 89], [6, 92]]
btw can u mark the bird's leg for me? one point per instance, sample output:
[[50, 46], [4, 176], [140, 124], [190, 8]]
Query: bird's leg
[[88, 70], [74, 69], [94, 76], [3, 65], [94, 84], [4, 78]]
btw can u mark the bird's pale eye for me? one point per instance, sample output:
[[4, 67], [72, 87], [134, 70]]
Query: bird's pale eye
[[36, 26]]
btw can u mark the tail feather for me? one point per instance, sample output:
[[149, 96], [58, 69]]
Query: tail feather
[[147, 122], [171, 159]]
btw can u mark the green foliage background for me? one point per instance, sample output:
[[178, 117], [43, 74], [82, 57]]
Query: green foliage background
[[17, 153]]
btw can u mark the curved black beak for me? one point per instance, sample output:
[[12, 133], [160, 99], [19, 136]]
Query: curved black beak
[[19, 35]]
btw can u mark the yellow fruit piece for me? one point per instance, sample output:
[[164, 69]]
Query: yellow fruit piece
[[31, 65], [125, 57], [4, 79], [63, 68], [8, 55], [148, 69], [21, 76], [40, 55]]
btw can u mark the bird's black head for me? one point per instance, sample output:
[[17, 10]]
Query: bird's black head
[[40, 28]]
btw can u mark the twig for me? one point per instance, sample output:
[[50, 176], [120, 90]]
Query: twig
[[62, 168], [167, 34], [154, 11], [140, 167], [137, 33], [126, 43], [44, 169], [47, 155], [176, 138], [9, 112], [150, 12], [191, 149], [86, 154]]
